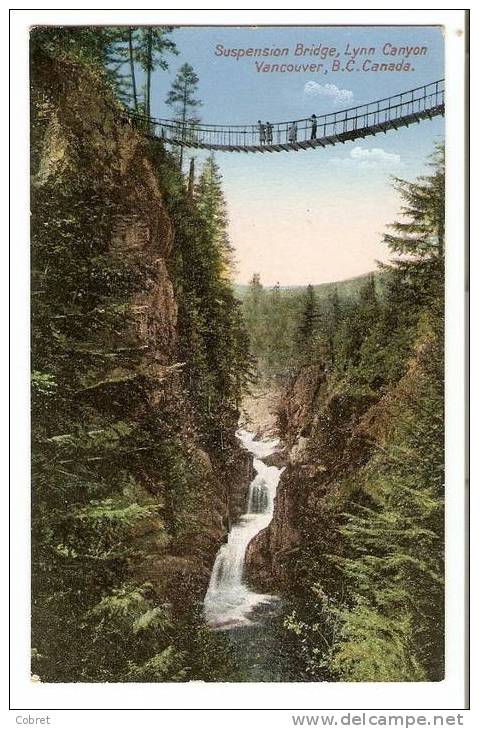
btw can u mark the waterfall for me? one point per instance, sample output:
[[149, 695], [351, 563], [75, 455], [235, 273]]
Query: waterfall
[[229, 601]]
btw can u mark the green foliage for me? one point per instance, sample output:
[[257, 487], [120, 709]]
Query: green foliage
[[213, 339], [373, 648], [161, 667], [306, 330], [127, 437], [181, 96], [421, 234], [84, 44], [292, 327], [396, 566], [183, 101], [117, 51], [368, 588], [148, 47], [270, 319], [211, 204], [150, 44], [121, 458]]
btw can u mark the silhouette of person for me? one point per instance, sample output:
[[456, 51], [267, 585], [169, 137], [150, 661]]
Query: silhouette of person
[[269, 133], [314, 126], [293, 132], [262, 132]]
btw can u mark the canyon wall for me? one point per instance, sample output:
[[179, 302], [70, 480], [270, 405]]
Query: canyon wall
[[321, 431], [118, 411]]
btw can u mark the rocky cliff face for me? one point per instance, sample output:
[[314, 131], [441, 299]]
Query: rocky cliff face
[[83, 145], [324, 442]]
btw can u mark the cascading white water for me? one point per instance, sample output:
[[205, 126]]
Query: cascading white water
[[229, 601]]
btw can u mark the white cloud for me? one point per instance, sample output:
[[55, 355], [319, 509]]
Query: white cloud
[[329, 91], [361, 158], [376, 154]]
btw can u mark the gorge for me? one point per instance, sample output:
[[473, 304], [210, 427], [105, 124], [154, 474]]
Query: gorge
[[227, 484]]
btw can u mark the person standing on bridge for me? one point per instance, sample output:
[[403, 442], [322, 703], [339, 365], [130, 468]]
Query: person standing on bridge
[[314, 126], [293, 132], [269, 133], [262, 132]]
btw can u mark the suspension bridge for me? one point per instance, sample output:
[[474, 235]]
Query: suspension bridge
[[375, 117]]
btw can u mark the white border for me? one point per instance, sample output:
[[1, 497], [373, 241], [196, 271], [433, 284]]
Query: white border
[[448, 694]]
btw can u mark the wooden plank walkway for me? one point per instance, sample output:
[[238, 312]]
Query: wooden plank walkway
[[337, 127], [322, 142]]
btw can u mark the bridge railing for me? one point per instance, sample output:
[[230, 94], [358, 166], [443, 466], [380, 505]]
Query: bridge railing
[[372, 114]]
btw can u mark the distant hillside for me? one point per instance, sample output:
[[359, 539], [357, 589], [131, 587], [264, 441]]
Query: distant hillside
[[347, 289]]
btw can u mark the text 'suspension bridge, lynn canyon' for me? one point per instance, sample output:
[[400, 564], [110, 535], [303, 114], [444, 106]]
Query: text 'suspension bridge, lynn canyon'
[[336, 127]]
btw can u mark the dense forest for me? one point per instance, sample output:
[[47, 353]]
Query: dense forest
[[139, 359], [281, 319], [142, 352], [360, 376]]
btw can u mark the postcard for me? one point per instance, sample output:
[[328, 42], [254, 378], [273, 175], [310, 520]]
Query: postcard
[[238, 242]]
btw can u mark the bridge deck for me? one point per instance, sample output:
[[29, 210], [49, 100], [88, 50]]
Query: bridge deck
[[338, 127], [330, 140]]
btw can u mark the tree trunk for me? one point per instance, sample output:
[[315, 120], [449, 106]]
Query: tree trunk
[[183, 123], [149, 63], [132, 67], [191, 178], [440, 239]]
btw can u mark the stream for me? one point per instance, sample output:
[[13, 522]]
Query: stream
[[229, 601], [230, 605]]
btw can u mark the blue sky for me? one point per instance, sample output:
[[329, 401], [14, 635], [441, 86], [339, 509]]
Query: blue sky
[[316, 215]]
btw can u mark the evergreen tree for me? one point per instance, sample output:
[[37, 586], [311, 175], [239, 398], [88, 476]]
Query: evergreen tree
[[211, 203], [210, 320], [369, 582], [421, 235], [131, 60], [395, 556], [277, 336], [307, 322], [254, 316], [152, 43], [418, 238], [119, 65], [255, 294], [396, 623], [114, 49], [85, 44], [118, 477], [182, 99], [333, 319]]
